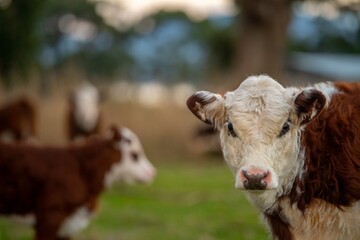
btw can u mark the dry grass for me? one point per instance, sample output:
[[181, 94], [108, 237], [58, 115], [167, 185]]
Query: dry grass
[[187, 201], [164, 131]]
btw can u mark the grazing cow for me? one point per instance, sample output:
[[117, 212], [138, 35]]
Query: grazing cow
[[58, 188], [17, 119], [83, 117], [295, 152]]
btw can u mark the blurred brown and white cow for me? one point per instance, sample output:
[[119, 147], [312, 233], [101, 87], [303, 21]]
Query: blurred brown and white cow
[[84, 113], [295, 152], [17, 120], [57, 189]]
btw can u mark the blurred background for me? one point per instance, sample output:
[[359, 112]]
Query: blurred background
[[147, 57]]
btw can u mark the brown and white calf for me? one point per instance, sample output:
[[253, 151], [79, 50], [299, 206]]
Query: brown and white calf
[[295, 152], [57, 189], [17, 119], [84, 114]]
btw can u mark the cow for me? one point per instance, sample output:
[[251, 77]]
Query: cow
[[294, 151], [17, 120], [84, 116], [57, 188]]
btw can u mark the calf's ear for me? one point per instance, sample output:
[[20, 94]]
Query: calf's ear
[[308, 104], [114, 133], [208, 107]]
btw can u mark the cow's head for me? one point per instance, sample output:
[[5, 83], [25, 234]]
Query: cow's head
[[259, 126], [86, 106], [134, 166]]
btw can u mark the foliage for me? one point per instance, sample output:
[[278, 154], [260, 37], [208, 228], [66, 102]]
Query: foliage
[[339, 35], [197, 45], [34, 35], [99, 54], [19, 37]]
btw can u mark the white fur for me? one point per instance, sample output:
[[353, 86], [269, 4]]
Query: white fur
[[125, 170], [213, 107], [75, 222], [323, 221], [128, 170], [327, 89], [86, 103], [258, 109]]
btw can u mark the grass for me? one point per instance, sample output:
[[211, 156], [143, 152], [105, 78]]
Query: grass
[[186, 201], [189, 200]]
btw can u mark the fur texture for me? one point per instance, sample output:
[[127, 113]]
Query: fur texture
[[307, 141], [60, 187], [18, 119], [84, 116]]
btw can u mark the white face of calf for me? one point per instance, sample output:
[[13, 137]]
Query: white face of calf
[[86, 101], [259, 127], [134, 166]]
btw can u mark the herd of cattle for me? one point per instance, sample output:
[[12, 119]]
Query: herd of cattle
[[295, 152], [56, 189]]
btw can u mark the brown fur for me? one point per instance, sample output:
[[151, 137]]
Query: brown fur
[[278, 225], [332, 152], [18, 118], [332, 143], [52, 182], [309, 104], [193, 107]]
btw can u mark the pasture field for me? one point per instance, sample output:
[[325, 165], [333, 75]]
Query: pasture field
[[192, 198], [186, 201]]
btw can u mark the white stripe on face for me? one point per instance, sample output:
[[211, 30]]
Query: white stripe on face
[[134, 166]]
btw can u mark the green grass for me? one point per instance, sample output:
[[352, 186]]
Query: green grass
[[185, 202]]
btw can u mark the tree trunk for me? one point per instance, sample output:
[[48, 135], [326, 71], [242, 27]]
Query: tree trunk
[[262, 38]]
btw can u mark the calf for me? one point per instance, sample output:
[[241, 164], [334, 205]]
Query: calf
[[58, 188], [295, 152], [18, 119], [83, 117]]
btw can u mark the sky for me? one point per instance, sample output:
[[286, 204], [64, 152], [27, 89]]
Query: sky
[[130, 12]]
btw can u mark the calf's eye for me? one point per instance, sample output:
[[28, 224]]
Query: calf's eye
[[285, 129], [134, 156], [231, 130]]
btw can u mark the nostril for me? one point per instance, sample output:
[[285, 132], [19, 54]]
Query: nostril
[[255, 179], [246, 175]]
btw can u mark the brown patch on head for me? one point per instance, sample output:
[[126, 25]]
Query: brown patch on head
[[308, 104], [208, 107], [196, 102], [332, 150]]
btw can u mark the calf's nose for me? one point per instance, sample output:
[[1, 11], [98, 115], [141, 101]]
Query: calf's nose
[[255, 179]]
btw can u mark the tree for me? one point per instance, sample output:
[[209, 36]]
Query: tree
[[262, 37], [19, 38], [262, 40]]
